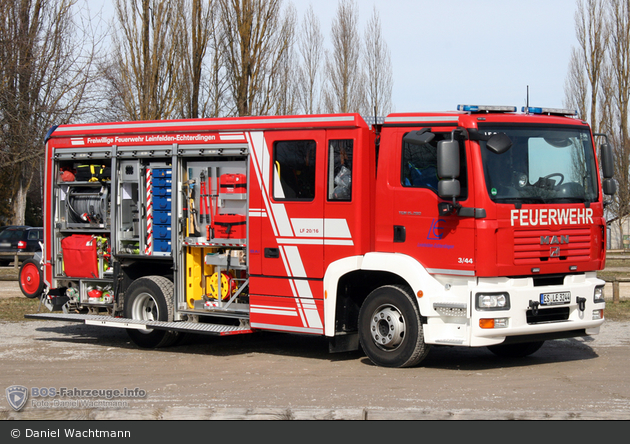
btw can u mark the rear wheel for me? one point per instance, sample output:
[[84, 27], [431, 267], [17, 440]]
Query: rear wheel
[[390, 328], [150, 299], [31, 279], [516, 350]]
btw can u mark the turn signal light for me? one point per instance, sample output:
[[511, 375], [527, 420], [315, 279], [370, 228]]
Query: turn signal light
[[493, 323], [486, 323]]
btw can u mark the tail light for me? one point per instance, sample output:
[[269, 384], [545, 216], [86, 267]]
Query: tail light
[[21, 245]]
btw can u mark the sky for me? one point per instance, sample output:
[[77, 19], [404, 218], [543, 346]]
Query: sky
[[451, 52]]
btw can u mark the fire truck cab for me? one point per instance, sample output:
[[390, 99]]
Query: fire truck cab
[[480, 227]]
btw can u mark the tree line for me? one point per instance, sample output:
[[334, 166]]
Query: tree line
[[170, 59], [598, 87]]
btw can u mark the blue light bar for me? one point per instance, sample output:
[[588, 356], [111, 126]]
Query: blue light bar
[[486, 109], [550, 111]]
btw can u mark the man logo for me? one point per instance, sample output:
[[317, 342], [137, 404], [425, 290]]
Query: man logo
[[17, 396], [554, 240]]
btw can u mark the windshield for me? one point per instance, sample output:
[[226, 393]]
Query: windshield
[[544, 165]]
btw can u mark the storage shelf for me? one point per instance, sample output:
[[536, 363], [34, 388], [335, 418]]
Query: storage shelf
[[85, 183]]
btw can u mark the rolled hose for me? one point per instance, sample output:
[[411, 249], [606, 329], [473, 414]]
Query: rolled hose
[[85, 205]]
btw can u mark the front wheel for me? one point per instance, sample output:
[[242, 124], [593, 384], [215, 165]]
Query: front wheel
[[390, 328], [150, 299]]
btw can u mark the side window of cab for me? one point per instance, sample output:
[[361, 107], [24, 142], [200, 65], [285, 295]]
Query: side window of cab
[[419, 165], [294, 170]]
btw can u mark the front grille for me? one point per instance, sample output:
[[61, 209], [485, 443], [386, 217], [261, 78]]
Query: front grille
[[544, 315], [533, 247]]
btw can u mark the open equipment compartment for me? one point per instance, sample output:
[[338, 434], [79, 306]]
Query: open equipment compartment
[[215, 213], [81, 253]]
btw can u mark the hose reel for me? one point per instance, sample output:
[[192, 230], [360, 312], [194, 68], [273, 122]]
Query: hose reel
[[86, 205]]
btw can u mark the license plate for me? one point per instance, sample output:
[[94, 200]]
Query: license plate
[[5, 245], [555, 298]]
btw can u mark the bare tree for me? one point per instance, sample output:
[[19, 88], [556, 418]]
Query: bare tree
[[311, 49], [202, 83], [217, 84], [146, 62], [197, 26], [620, 61], [256, 38], [600, 69], [287, 96], [619, 90], [47, 61], [592, 34], [379, 68], [344, 92], [576, 89]]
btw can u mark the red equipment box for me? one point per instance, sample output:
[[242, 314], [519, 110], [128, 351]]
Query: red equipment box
[[230, 226], [80, 259], [233, 183]]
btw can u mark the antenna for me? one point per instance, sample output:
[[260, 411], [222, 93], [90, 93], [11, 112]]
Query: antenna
[[527, 103]]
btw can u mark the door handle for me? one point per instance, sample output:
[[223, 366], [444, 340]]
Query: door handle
[[400, 234], [272, 253]]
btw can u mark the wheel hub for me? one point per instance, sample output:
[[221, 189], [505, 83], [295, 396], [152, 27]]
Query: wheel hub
[[387, 327], [145, 308]]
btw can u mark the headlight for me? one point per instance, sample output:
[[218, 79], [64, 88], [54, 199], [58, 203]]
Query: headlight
[[493, 301], [598, 296]]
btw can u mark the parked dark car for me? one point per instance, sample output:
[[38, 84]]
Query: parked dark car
[[19, 239]]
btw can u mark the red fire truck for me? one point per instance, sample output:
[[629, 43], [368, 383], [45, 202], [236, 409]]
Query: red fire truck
[[479, 227]]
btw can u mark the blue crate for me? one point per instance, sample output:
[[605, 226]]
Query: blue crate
[[161, 246], [162, 218]]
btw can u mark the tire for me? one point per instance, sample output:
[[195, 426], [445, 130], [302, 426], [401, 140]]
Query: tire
[[31, 279], [390, 328], [150, 299], [516, 350]]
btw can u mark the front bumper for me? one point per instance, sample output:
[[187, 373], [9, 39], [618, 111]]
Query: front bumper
[[527, 317], [523, 320]]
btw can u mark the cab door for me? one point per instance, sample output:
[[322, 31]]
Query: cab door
[[292, 237], [287, 294], [444, 244]]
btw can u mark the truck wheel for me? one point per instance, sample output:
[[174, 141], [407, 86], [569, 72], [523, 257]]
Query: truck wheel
[[31, 279], [150, 299], [390, 329], [516, 350]]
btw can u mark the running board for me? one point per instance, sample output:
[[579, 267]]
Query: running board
[[108, 321]]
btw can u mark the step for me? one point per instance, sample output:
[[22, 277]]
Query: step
[[108, 321]]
